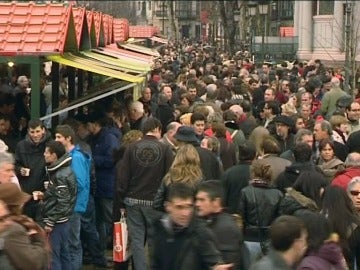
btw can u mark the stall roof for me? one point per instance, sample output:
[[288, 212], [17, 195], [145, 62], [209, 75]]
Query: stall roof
[[126, 58], [27, 28], [128, 54], [159, 39], [140, 49], [124, 65], [79, 62]]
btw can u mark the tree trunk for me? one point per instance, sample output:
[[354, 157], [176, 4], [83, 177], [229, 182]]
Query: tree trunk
[[224, 21], [173, 22]]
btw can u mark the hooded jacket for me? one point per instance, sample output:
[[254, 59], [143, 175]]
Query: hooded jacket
[[295, 202], [59, 197], [81, 164], [31, 155], [343, 178], [328, 256]]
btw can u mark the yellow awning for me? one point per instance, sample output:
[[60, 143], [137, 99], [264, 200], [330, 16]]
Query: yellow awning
[[140, 49], [94, 66], [124, 64]]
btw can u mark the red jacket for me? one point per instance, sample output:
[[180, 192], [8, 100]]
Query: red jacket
[[343, 178]]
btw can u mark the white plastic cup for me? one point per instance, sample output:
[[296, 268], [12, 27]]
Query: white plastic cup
[[36, 195], [46, 184]]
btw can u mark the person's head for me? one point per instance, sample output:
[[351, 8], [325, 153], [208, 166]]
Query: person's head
[[219, 129], [198, 121], [192, 91], [288, 234], [180, 203], [266, 68], [257, 136], [209, 198], [302, 152], [318, 229], [326, 148], [305, 136], [306, 98], [167, 91], [270, 145], [7, 167], [53, 151], [23, 82], [212, 144], [339, 122], [261, 170], [353, 160], [3, 124], [271, 108], [283, 126], [65, 134], [96, 120], [171, 130], [185, 100], [311, 184], [322, 130], [36, 130], [353, 112], [339, 209], [136, 110], [211, 92], [353, 190], [285, 87], [152, 126], [13, 197], [298, 122], [185, 134], [269, 95], [146, 94], [247, 151], [305, 111], [131, 136]]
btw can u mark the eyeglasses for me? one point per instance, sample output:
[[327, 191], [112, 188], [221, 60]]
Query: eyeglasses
[[285, 84], [356, 110], [354, 192]]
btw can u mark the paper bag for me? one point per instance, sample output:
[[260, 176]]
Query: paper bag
[[121, 250]]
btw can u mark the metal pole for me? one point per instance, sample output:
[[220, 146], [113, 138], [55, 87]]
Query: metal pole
[[163, 17], [262, 42], [347, 87]]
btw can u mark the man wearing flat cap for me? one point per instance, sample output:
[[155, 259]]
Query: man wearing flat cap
[[284, 136]]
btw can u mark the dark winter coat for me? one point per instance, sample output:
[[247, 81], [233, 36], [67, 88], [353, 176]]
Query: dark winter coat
[[234, 180], [295, 203], [31, 155], [191, 248]]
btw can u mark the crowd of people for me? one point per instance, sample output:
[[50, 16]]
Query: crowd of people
[[220, 164]]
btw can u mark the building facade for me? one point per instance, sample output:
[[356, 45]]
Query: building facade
[[321, 28]]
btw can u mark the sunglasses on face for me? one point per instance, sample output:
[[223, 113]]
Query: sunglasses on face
[[354, 192]]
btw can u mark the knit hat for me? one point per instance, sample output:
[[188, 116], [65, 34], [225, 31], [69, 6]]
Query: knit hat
[[11, 194]]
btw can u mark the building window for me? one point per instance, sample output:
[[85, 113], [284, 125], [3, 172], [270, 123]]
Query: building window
[[285, 9], [150, 5], [323, 7]]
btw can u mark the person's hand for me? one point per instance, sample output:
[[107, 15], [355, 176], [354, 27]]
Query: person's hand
[[24, 171], [223, 266], [48, 229]]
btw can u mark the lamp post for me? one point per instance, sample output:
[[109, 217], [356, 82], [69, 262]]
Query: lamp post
[[263, 11]]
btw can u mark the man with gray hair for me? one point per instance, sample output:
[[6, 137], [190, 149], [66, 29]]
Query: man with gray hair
[[328, 102], [323, 130], [7, 168], [302, 136], [168, 137], [352, 164], [137, 115]]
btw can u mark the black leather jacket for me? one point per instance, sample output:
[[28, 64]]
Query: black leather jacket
[[263, 207], [60, 196], [190, 248]]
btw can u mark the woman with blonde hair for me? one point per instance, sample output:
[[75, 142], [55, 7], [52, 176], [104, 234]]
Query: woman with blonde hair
[[185, 169]]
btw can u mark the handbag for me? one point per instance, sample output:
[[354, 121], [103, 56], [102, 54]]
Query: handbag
[[121, 243], [264, 243]]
